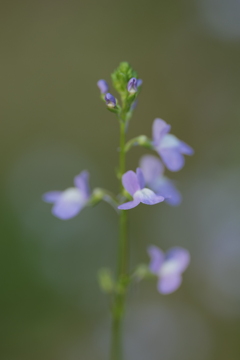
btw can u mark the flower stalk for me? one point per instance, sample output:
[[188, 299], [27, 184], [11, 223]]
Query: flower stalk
[[148, 185], [122, 266]]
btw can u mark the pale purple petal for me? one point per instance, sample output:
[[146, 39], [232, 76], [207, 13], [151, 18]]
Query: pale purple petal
[[165, 187], [171, 149], [81, 182], [172, 158], [51, 196], [130, 182], [169, 283], [185, 148], [129, 205], [103, 86], [156, 258], [179, 259], [160, 128], [148, 197], [140, 177], [68, 205], [151, 167]]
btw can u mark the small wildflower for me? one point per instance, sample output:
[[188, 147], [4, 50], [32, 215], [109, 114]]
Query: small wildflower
[[110, 100], [134, 184], [68, 203], [153, 170], [168, 146], [132, 85], [168, 267], [139, 82]]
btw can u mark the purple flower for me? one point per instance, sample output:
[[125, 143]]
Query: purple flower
[[139, 82], [134, 184], [103, 86], [153, 169], [132, 85], [68, 203], [110, 100], [170, 148], [168, 267]]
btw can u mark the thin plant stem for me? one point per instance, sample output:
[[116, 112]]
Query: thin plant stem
[[122, 270]]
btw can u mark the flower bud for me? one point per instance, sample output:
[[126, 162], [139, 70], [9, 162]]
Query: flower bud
[[132, 86], [103, 86], [110, 100], [143, 140]]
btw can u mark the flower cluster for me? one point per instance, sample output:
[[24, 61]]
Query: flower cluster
[[148, 185]]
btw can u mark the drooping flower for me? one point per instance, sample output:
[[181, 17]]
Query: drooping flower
[[153, 170], [134, 183], [132, 85], [168, 267], [168, 146], [68, 203], [110, 100], [103, 86]]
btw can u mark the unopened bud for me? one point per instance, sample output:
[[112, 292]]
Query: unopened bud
[[103, 86], [110, 100], [142, 140], [132, 86]]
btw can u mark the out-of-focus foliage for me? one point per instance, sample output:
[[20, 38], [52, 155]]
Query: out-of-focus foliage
[[53, 125]]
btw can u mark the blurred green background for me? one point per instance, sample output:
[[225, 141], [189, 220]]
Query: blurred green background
[[53, 125]]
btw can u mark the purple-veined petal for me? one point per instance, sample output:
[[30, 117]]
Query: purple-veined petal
[[169, 283], [148, 197], [130, 182], [129, 205], [172, 158], [69, 204], [81, 182], [51, 196], [151, 167], [177, 259], [132, 85], [165, 187], [160, 128], [140, 177], [156, 259], [185, 148]]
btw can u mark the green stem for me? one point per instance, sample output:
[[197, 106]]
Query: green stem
[[141, 140], [122, 270]]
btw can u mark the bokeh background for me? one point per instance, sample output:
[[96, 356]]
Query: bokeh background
[[53, 125]]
